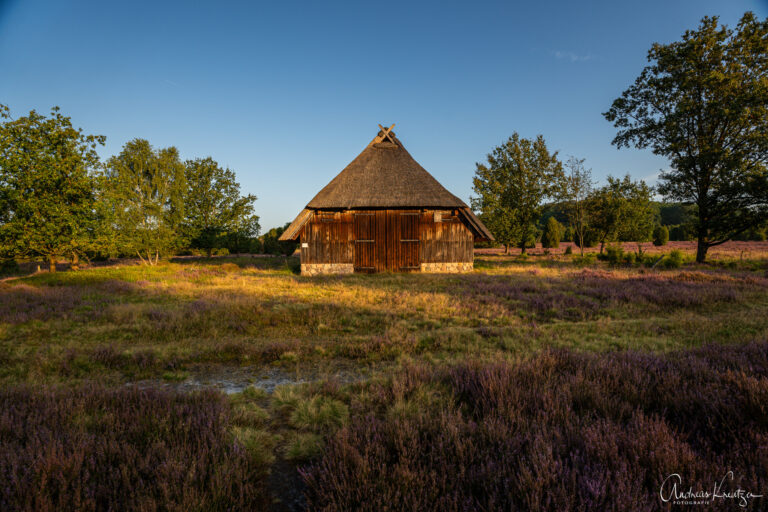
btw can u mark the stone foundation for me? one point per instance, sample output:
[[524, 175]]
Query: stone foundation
[[313, 269], [448, 268]]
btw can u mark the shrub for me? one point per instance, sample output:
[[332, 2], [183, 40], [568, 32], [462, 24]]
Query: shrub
[[553, 231], [660, 236], [650, 260], [569, 250], [93, 448], [561, 431], [588, 259], [674, 259], [8, 267], [614, 254]]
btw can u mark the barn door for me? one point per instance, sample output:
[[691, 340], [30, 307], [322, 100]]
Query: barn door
[[365, 242], [408, 243]]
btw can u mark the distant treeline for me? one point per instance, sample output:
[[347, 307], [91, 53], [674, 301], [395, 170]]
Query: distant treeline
[[679, 220], [58, 200]]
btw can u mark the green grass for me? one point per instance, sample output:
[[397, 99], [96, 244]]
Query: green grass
[[130, 322]]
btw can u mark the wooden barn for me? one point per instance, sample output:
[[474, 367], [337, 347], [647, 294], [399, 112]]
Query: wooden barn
[[384, 212]]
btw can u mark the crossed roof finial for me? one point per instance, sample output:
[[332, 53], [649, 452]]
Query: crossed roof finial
[[385, 135]]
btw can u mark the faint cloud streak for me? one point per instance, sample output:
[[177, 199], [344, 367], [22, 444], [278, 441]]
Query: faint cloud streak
[[572, 57]]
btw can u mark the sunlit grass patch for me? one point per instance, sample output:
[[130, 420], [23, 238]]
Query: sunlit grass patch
[[234, 311]]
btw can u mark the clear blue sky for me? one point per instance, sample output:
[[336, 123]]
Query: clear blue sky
[[288, 93]]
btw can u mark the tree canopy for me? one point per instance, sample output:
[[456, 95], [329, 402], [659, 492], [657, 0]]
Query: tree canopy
[[575, 193], [48, 183], [621, 210], [213, 206], [146, 189], [511, 187], [703, 103]]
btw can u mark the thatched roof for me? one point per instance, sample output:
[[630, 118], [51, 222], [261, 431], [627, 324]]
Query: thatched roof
[[385, 175]]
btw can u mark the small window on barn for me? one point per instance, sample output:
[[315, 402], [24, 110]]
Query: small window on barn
[[445, 216]]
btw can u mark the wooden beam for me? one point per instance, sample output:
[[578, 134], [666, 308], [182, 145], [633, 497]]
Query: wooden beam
[[385, 133]]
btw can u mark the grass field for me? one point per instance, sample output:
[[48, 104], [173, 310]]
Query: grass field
[[388, 361]]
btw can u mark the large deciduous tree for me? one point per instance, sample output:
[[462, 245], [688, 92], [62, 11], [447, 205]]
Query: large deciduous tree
[[703, 103], [518, 176], [213, 205], [146, 188], [48, 184]]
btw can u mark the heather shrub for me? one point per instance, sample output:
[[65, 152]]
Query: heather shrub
[[93, 448], [568, 250], [660, 236], [560, 431]]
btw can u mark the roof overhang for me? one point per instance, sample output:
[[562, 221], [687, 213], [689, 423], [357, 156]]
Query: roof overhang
[[293, 231], [476, 226]]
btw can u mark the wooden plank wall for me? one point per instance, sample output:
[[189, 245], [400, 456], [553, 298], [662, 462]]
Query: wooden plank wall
[[364, 241], [409, 234], [331, 238], [446, 241]]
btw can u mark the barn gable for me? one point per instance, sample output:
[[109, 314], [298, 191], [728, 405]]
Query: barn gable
[[384, 211]]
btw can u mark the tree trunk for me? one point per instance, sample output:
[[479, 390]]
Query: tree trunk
[[506, 248], [602, 245], [75, 263], [52, 265], [701, 251], [209, 251]]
